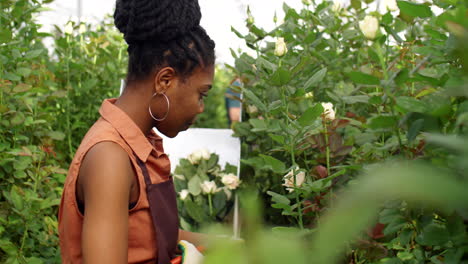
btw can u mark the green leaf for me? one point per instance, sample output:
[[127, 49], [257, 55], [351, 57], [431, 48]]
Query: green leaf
[[33, 53], [316, 78], [194, 185], [238, 34], [414, 9], [410, 104], [382, 122], [356, 4], [255, 100], [8, 247], [5, 35], [195, 211], [414, 129], [16, 199], [278, 138], [24, 71], [310, 115], [281, 77], [273, 164], [21, 88], [363, 78], [12, 77], [56, 135], [433, 235], [258, 125], [278, 198]]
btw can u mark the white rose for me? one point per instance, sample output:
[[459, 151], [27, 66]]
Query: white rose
[[328, 112], [281, 47], [183, 194], [369, 26], [390, 5], [289, 180], [309, 95], [68, 28], [82, 29], [337, 6], [205, 154], [198, 155], [231, 181], [252, 109], [209, 187]]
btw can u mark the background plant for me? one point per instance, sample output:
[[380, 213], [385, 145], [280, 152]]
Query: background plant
[[389, 89]]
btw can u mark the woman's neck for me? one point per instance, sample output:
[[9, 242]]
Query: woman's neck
[[134, 101]]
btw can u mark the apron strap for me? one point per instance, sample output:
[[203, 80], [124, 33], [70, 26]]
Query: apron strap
[[144, 170]]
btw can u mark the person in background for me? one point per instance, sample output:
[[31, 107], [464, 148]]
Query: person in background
[[233, 105]]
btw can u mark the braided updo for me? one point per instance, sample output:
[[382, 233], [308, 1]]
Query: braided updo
[[163, 33]]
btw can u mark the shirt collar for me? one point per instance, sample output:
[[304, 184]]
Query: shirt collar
[[130, 132]]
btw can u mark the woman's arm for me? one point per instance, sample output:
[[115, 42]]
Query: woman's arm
[[105, 180]]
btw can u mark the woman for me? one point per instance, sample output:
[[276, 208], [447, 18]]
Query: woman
[[119, 203]]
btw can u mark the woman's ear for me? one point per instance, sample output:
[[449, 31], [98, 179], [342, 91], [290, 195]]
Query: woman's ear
[[164, 79]]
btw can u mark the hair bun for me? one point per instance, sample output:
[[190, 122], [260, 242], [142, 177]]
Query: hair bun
[[164, 20]]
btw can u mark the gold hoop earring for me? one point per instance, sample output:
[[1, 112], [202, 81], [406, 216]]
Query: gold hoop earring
[[168, 106]]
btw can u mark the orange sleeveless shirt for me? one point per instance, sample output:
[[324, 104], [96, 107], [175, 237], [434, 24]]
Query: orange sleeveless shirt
[[115, 126]]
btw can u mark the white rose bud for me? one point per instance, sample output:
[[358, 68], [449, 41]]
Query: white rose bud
[[369, 26], [328, 112], [309, 95], [337, 6], [194, 158], [183, 194], [289, 180], [390, 5], [69, 28], [231, 181], [280, 48], [209, 187], [306, 2], [82, 29], [205, 154], [198, 155], [252, 109]]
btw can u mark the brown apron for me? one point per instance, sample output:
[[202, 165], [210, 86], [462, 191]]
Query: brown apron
[[163, 208]]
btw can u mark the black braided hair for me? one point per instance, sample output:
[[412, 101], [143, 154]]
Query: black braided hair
[[163, 33]]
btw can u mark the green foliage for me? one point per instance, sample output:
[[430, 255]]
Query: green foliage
[[429, 240], [48, 100], [389, 94], [197, 207]]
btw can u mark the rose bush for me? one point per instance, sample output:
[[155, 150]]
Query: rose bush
[[205, 190], [392, 78]]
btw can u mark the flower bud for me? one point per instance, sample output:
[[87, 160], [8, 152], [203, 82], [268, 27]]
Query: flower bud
[[231, 181], [328, 112], [252, 109], [183, 194], [280, 48], [209, 187], [369, 26], [289, 180], [390, 5], [82, 29], [68, 28]]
